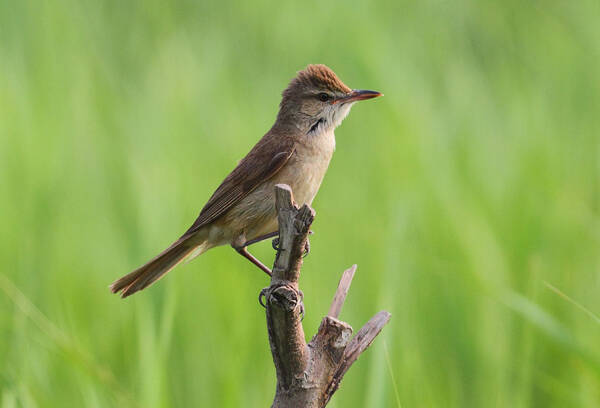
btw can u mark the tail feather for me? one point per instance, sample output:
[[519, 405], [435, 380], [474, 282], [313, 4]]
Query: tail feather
[[149, 273]]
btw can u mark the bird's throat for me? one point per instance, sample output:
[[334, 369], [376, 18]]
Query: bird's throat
[[315, 127]]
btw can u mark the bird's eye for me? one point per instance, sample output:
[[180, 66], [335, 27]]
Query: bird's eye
[[323, 97]]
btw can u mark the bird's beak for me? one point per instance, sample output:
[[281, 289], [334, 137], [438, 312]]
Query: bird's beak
[[358, 95]]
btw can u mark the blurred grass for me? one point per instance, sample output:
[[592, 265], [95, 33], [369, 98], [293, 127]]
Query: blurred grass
[[471, 184]]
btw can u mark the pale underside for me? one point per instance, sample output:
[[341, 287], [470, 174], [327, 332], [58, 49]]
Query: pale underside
[[255, 214]]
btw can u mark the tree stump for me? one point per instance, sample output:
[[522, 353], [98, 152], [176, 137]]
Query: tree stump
[[307, 374]]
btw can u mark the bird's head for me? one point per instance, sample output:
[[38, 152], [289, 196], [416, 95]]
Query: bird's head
[[316, 100]]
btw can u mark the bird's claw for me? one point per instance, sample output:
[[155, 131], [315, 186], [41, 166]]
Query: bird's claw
[[301, 305], [306, 248], [275, 244], [262, 297]]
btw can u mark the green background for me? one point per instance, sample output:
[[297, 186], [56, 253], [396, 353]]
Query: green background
[[468, 196]]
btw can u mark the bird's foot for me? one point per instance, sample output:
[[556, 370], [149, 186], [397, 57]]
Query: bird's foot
[[262, 297], [306, 248], [307, 245], [301, 305], [262, 300], [275, 244], [306, 251]]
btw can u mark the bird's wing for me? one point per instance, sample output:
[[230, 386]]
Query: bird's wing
[[263, 162]]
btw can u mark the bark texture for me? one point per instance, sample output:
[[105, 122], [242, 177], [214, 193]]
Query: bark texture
[[307, 374]]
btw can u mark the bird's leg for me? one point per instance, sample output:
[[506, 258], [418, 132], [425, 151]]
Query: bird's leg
[[244, 252], [261, 238], [306, 246], [275, 242]]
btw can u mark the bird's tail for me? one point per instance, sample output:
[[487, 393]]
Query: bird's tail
[[149, 273]]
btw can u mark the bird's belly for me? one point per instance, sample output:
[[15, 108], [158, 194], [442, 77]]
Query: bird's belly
[[255, 214], [304, 183]]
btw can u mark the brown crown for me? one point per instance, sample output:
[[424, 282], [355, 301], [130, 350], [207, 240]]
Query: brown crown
[[317, 76]]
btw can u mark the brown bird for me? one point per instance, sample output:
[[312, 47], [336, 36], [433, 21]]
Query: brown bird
[[296, 151]]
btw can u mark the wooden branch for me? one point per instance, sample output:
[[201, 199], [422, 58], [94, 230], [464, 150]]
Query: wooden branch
[[307, 374], [357, 345], [341, 292]]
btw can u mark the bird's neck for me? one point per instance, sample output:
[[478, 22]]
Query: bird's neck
[[319, 144], [308, 132]]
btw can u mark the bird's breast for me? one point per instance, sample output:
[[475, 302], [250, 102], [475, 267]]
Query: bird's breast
[[255, 215], [307, 167]]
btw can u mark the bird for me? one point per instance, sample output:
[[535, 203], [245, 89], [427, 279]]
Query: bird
[[296, 151]]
